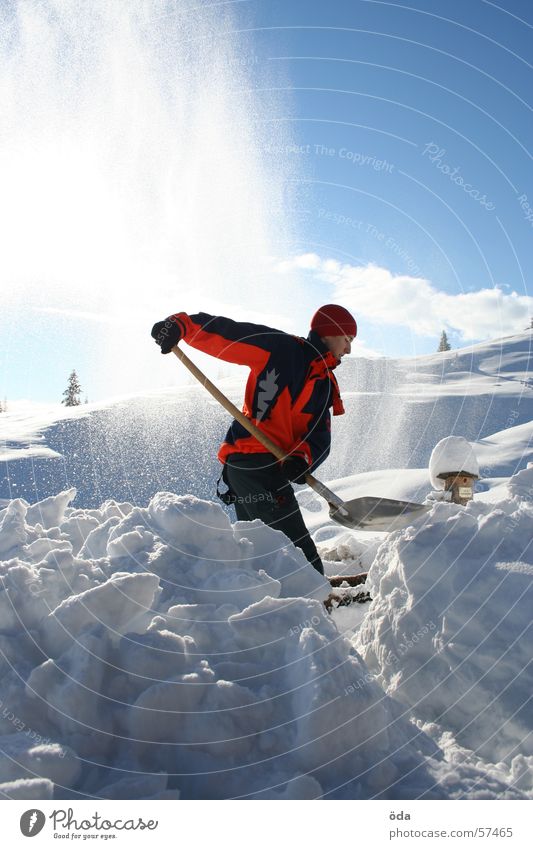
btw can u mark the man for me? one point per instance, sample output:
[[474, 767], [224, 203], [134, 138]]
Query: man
[[289, 394]]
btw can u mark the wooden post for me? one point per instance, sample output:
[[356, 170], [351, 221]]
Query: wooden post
[[461, 485]]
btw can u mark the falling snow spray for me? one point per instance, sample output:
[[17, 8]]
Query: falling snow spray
[[133, 175]]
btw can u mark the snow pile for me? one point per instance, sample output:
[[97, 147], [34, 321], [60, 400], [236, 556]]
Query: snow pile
[[449, 631], [452, 454], [163, 652]]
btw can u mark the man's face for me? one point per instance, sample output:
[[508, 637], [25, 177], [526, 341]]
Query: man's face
[[338, 345]]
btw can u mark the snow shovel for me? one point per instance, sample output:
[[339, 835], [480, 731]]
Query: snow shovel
[[364, 514]]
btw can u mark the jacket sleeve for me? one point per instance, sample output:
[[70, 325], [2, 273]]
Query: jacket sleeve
[[232, 341], [316, 443]]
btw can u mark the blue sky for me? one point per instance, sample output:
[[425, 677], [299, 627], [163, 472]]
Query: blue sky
[[258, 159], [392, 107]]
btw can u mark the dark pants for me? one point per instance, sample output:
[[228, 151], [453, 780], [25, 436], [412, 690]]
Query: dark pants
[[262, 492]]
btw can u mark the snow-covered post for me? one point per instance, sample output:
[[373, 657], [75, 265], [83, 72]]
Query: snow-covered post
[[454, 468], [461, 486]]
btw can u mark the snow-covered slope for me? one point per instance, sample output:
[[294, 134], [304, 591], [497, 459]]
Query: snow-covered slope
[[397, 410]]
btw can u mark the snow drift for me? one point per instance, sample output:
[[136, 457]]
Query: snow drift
[[161, 652], [449, 632]]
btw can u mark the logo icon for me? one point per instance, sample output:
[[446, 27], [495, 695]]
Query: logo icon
[[32, 822], [268, 387]]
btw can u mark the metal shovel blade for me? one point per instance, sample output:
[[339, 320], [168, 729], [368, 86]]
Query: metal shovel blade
[[377, 514]]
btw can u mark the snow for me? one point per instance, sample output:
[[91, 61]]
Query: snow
[[452, 454], [154, 649], [195, 646], [21, 428], [449, 632], [186, 652], [396, 411], [27, 788], [23, 757]]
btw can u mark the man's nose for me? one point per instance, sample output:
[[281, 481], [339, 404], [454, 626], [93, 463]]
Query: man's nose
[[347, 346]]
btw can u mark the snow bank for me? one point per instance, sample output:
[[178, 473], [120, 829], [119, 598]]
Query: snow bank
[[162, 652], [449, 631], [23, 758]]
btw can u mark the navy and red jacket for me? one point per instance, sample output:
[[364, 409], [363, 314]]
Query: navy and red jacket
[[290, 389]]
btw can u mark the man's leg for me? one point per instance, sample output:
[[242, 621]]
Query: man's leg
[[264, 493]]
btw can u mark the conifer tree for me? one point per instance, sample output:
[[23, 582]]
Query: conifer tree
[[72, 392], [444, 345]]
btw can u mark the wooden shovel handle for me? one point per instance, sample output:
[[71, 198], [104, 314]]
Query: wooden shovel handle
[[332, 499]]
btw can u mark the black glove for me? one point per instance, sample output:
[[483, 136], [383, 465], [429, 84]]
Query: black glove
[[295, 468], [166, 334]]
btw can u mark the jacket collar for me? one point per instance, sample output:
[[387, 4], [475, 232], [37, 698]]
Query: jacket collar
[[322, 354], [321, 350]]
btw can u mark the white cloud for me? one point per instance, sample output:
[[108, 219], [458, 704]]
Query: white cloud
[[305, 261], [377, 295]]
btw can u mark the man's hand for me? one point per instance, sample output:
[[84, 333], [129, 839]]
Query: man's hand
[[166, 333], [295, 468]]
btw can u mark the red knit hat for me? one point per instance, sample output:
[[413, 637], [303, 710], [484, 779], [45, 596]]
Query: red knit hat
[[333, 320]]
